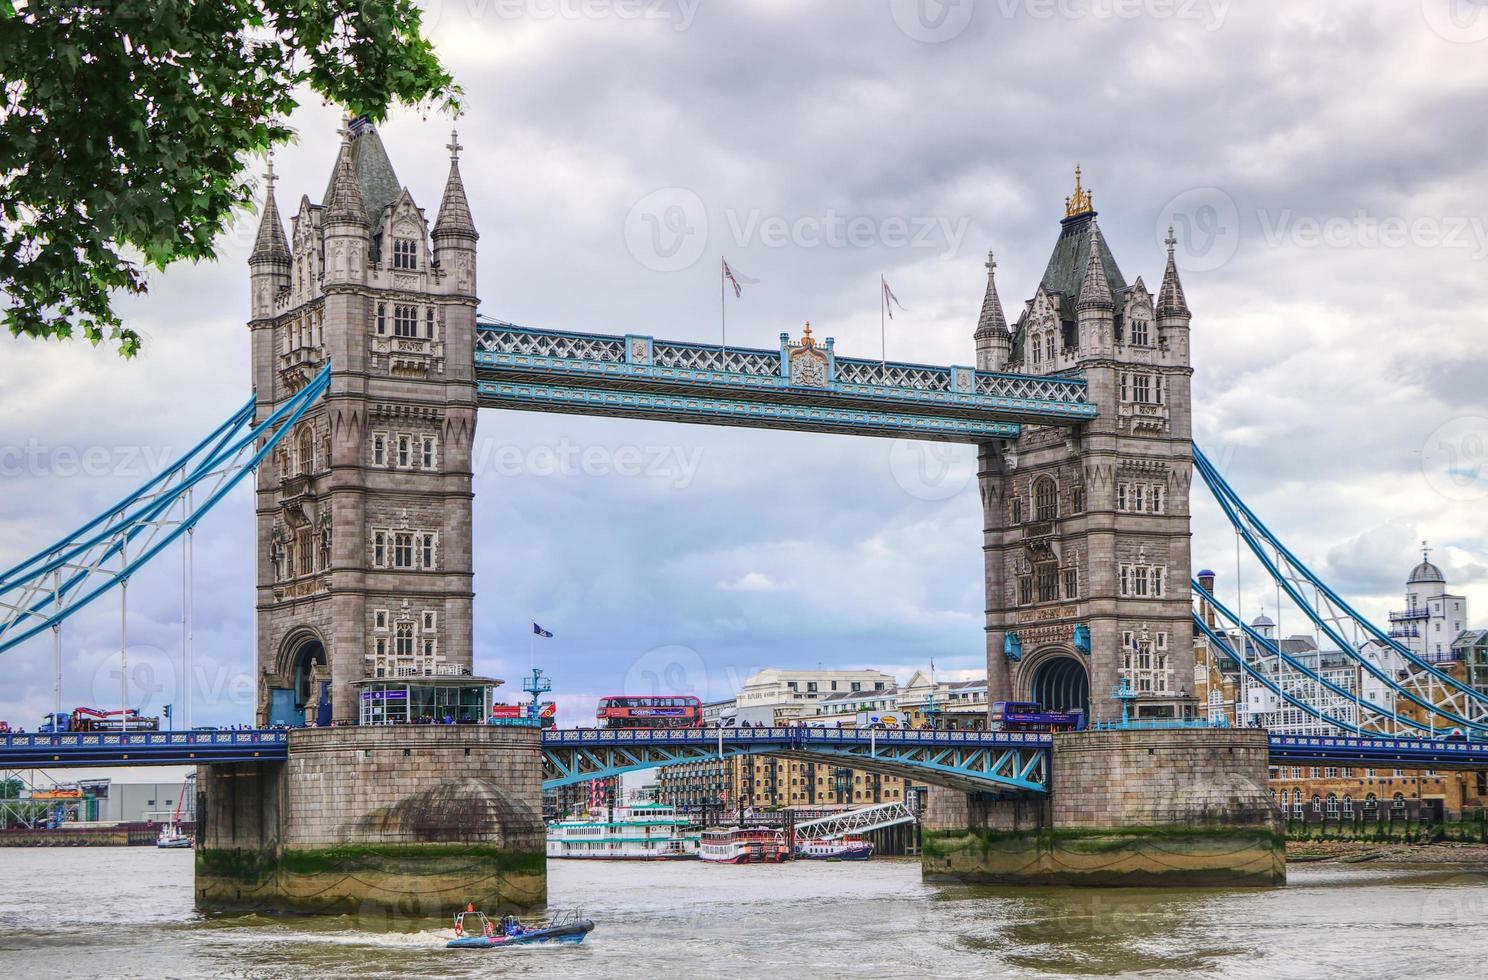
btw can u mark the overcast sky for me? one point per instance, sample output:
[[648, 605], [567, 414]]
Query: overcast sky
[[1322, 160]]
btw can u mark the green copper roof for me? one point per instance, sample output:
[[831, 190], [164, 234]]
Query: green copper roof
[[376, 179], [1071, 254]]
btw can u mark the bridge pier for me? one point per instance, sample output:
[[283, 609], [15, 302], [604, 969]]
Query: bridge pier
[[1151, 807], [391, 824]]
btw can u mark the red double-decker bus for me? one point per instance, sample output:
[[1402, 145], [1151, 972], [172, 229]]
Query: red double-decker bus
[[647, 711]]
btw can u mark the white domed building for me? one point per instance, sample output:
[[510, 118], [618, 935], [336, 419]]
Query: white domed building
[[1432, 618]]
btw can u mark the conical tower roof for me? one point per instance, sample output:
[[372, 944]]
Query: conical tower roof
[[1095, 287], [992, 320], [454, 209], [344, 203], [1170, 298], [270, 245]]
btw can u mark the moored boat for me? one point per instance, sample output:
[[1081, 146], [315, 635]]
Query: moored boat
[[841, 849], [171, 837], [744, 845], [646, 832]]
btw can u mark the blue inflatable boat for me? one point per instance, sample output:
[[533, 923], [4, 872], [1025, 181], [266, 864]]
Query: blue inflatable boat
[[474, 931]]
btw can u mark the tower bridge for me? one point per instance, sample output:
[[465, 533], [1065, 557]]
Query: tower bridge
[[369, 365]]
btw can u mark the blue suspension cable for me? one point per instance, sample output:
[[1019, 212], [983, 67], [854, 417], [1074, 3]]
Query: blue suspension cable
[[1226, 497], [1217, 485], [229, 444]]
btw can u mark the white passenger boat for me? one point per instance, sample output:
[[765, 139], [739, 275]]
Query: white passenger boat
[[646, 832]]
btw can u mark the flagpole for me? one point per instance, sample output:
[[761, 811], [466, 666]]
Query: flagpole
[[722, 314], [531, 634], [883, 342]]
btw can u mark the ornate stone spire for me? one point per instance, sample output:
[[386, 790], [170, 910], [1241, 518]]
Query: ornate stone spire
[[270, 246], [1095, 291], [454, 210], [1170, 298], [345, 205], [992, 321]]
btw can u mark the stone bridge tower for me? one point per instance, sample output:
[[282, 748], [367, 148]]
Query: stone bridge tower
[[1086, 529], [364, 514]]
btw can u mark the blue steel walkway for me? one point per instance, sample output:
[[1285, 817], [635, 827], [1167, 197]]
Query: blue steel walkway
[[972, 761], [978, 761], [141, 748]]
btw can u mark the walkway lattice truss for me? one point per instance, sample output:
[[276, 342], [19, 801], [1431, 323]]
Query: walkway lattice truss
[[859, 821], [41, 592], [1012, 762]]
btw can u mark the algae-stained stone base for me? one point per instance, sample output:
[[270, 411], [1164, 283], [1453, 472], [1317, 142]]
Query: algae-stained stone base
[[389, 824], [1163, 807], [1116, 857]]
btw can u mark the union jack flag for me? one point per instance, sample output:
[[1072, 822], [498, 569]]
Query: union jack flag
[[736, 279], [890, 299]]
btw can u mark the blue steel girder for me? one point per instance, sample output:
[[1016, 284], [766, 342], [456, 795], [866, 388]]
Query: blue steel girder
[[48, 751], [970, 761], [636, 376]]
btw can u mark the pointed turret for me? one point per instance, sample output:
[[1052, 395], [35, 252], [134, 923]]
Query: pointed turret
[[1170, 298], [269, 262], [345, 229], [1095, 290], [270, 246], [454, 230], [344, 204], [454, 210], [993, 340]]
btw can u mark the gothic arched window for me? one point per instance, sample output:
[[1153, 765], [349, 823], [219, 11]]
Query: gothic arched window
[[405, 253], [307, 450], [1045, 500]]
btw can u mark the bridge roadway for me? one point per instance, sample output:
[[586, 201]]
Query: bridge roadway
[[975, 761]]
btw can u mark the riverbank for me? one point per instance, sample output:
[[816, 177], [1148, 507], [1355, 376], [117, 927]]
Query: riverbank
[[1445, 853]]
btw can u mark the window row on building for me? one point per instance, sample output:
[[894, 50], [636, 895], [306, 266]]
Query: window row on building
[[405, 550], [405, 450], [410, 321]]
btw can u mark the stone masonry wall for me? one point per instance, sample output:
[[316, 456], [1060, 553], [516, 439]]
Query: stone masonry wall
[[1161, 778]]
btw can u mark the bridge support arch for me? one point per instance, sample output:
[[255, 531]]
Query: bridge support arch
[[1058, 680]]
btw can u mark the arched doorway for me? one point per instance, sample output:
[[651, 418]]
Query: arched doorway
[[1061, 684], [311, 653], [296, 704]]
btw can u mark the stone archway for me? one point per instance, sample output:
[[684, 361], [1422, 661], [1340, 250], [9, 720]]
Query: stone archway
[[294, 697], [1060, 683]]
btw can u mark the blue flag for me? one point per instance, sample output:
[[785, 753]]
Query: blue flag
[[540, 631]]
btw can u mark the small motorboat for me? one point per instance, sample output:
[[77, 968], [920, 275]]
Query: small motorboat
[[172, 837], [474, 931]]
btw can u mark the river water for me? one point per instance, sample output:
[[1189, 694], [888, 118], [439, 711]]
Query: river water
[[127, 912]]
